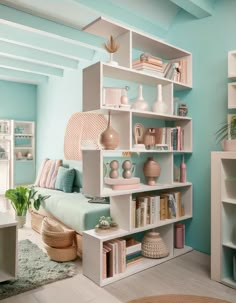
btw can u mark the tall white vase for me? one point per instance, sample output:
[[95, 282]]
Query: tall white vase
[[159, 106], [140, 103]]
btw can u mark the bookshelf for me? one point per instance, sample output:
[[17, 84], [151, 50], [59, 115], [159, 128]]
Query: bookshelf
[[223, 227], [22, 152], [123, 120]]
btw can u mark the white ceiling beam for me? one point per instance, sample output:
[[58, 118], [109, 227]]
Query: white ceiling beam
[[117, 12], [197, 8], [25, 36], [30, 67], [47, 27], [19, 76], [36, 56]]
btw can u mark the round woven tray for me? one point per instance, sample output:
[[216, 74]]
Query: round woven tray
[[153, 246], [176, 298], [58, 239], [61, 254]]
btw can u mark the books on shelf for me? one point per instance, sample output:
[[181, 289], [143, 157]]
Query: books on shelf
[[173, 137], [173, 70], [114, 257], [154, 208]]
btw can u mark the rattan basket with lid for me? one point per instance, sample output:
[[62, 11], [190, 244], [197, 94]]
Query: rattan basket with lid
[[153, 246]]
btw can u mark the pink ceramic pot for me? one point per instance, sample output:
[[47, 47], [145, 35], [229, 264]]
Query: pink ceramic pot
[[151, 170], [229, 145]]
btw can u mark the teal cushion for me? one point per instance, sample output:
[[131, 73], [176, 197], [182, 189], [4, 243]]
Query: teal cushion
[[77, 181], [65, 179]]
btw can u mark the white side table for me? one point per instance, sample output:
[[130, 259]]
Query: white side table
[[8, 247]]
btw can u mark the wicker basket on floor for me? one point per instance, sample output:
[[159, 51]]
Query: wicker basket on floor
[[56, 236], [61, 254]]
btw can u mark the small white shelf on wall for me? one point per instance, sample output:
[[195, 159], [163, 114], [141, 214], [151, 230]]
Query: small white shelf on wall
[[123, 120]]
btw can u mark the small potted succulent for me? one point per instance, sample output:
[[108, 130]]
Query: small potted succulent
[[22, 198], [227, 135], [106, 224]]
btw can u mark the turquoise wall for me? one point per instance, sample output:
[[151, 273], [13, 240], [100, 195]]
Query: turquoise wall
[[17, 101], [209, 40]]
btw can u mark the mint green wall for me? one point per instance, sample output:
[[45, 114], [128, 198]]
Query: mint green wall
[[17, 101], [209, 40], [57, 101]]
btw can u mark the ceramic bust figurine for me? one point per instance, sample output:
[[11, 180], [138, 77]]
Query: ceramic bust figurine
[[114, 173], [127, 169]]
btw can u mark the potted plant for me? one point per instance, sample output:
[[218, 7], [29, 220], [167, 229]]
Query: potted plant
[[227, 135], [22, 198]]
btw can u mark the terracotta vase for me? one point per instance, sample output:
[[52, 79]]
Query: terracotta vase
[[151, 170], [109, 138]]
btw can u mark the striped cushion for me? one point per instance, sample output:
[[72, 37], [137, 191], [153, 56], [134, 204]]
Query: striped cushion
[[48, 173]]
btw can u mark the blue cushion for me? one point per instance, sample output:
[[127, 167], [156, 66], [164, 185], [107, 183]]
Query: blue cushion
[[65, 179]]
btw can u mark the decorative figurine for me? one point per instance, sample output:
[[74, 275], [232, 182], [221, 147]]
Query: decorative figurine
[[114, 173], [127, 169], [111, 47]]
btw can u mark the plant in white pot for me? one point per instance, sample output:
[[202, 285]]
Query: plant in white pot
[[22, 198], [227, 134]]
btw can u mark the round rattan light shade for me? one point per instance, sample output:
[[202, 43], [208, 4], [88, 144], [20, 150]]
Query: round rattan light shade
[[153, 246], [176, 298]]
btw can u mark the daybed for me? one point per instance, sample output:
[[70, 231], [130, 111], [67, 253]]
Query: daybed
[[73, 209]]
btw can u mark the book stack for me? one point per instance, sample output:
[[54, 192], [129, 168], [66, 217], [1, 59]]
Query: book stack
[[114, 257], [172, 136], [171, 205], [176, 71], [133, 252], [149, 64], [145, 210]]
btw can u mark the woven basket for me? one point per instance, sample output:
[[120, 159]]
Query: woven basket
[[57, 237], [36, 221], [61, 254], [153, 246]]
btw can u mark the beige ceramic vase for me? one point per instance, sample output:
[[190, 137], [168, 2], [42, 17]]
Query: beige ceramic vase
[[151, 170], [109, 138]]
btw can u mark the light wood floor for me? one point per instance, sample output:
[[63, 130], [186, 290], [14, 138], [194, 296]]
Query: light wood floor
[[188, 274]]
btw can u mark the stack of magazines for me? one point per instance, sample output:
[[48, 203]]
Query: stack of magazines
[[149, 64]]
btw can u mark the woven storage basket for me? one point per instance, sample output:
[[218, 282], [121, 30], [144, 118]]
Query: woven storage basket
[[61, 254], [54, 235], [36, 221], [153, 246]]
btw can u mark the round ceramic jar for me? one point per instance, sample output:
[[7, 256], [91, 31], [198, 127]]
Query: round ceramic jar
[[183, 110]]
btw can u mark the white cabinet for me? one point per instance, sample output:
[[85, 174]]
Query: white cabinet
[[8, 247], [23, 152], [95, 78], [223, 213]]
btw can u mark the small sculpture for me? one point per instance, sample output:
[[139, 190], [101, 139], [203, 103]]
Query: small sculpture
[[127, 169], [111, 47], [114, 173], [151, 170], [138, 136]]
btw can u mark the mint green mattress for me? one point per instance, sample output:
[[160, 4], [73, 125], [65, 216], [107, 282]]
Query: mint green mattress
[[73, 209]]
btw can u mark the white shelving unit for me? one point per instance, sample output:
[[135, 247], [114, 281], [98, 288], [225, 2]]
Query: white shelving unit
[[122, 120], [223, 212], [23, 152], [8, 247], [5, 155]]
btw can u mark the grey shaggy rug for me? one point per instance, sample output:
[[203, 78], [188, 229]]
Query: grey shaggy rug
[[34, 270]]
